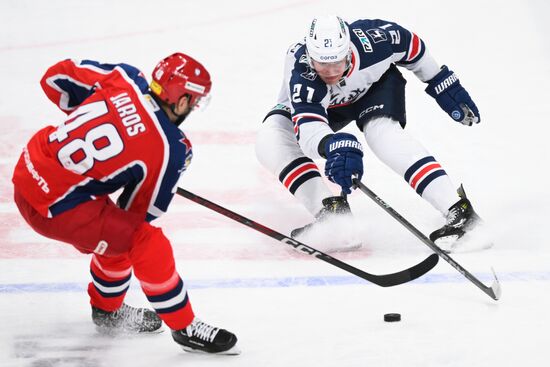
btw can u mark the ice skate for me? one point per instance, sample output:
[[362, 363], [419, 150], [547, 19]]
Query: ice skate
[[126, 319], [321, 232], [200, 337], [461, 219]]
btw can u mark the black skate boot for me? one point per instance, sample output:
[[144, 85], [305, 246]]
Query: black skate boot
[[460, 219], [126, 319], [334, 205], [200, 337], [338, 235]]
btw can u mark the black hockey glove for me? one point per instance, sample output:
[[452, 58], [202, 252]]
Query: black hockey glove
[[453, 98], [344, 160]]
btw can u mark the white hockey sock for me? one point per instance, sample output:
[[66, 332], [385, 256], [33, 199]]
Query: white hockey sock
[[311, 193], [441, 194], [409, 159]]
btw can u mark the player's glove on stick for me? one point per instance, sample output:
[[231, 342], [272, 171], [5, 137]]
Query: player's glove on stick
[[344, 160], [452, 97]]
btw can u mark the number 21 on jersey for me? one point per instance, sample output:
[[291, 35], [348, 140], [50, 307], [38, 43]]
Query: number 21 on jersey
[[296, 95]]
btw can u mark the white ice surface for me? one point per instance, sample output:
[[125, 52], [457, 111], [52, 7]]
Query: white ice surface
[[286, 309]]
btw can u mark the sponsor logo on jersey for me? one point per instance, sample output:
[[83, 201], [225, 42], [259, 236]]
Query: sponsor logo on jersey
[[370, 109], [152, 102], [34, 173], [367, 47], [377, 35], [281, 107]]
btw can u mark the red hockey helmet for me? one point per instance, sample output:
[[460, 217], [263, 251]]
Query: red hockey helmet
[[180, 74]]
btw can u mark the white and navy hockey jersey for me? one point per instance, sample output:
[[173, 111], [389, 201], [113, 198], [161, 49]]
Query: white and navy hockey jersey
[[375, 46]]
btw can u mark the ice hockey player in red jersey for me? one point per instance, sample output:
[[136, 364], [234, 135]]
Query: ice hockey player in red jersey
[[121, 133], [345, 72]]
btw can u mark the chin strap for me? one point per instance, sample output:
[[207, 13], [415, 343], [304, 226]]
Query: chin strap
[[179, 118]]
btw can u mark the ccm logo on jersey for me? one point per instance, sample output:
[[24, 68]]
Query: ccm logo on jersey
[[370, 109], [128, 114], [345, 144], [446, 83]]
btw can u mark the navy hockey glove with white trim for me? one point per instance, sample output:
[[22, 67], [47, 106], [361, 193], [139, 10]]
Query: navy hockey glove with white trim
[[452, 97], [344, 159]]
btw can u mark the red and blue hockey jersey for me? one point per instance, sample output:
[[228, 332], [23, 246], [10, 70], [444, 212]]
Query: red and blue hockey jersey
[[115, 137]]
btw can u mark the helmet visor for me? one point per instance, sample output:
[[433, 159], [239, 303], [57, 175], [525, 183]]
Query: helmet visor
[[201, 103]]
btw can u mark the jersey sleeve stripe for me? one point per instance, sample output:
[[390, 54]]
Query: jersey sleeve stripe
[[414, 47], [308, 117]]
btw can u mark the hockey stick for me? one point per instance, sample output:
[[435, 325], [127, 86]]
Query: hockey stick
[[385, 280], [494, 291]]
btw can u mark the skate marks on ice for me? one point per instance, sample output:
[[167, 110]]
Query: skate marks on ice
[[78, 344], [67, 346]]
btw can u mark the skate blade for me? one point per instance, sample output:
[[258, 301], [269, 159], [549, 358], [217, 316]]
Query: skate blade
[[125, 332], [233, 351]]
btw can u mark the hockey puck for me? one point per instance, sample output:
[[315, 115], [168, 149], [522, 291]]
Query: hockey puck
[[392, 317]]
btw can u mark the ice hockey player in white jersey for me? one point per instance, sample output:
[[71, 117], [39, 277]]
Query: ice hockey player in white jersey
[[344, 72]]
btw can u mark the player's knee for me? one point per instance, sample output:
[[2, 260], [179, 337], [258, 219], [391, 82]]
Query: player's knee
[[276, 139], [264, 143], [151, 255], [146, 236], [150, 244], [379, 127], [274, 129]]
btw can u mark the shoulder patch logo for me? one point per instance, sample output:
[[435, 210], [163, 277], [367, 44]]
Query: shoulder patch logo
[[377, 35], [367, 47], [309, 74]]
